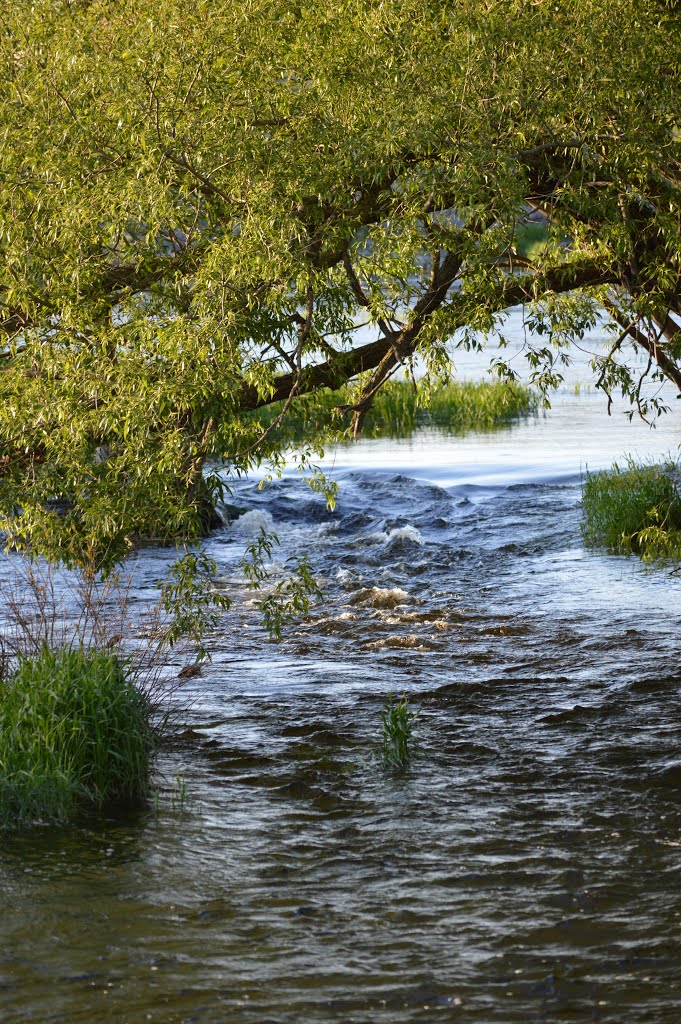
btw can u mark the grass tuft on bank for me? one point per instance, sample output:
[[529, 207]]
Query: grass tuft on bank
[[399, 409], [634, 509], [75, 733]]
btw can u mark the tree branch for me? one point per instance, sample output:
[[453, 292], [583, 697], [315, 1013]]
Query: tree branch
[[512, 291], [669, 368]]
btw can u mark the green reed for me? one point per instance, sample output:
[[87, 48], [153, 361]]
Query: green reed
[[397, 721], [74, 731], [399, 409], [634, 508]]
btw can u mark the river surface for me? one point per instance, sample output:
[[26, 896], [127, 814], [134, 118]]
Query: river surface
[[527, 867]]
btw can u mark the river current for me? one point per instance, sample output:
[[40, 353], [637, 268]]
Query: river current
[[526, 867]]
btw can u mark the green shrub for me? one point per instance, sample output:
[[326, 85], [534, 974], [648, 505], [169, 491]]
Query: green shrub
[[635, 508], [74, 732], [399, 409]]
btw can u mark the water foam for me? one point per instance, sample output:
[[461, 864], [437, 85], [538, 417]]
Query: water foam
[[382, 597], [254, 521], [403, 537]]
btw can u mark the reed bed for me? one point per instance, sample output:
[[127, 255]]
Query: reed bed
[[85, 694], [75, 732], [399, 409], [634, 509]]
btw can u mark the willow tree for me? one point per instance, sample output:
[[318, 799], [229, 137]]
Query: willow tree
[[202, 200]]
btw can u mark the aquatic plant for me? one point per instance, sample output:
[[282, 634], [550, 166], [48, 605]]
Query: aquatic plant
[[397, 720], [634, 508], [399, 409], [75, 731]]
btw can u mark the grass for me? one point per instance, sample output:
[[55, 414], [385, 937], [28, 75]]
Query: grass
[[634, 509], [74, 732], [531, 238], [399, 409], [397, 720]]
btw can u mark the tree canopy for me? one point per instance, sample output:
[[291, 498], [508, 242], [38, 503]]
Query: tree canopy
[[200, 202]]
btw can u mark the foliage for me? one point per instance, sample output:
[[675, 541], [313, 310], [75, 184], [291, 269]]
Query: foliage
[[634, 508], [74, 731], [288, 598], [400, 407], [203, 201], [190, 600], [397, 719]]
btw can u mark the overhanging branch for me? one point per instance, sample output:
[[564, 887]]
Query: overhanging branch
[[512, 291]]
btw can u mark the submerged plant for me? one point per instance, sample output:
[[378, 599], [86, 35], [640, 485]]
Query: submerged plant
[[75, 731], [174, 798], [397, 720], [633, 508]]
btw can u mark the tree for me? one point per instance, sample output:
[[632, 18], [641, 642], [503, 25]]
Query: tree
[[202, 200]]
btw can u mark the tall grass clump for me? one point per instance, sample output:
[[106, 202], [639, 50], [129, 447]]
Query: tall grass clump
[[75, 732], [399, 409], [457, 407], [397, 722], [634, 508]]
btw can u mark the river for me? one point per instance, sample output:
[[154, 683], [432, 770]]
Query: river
[[524, 868]]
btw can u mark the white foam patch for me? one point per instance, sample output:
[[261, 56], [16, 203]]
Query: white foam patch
[[348, 580], [403, 537], [253, 522], [382, 597]]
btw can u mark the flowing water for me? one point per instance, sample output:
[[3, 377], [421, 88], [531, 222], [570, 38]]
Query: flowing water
[[525, 868]]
